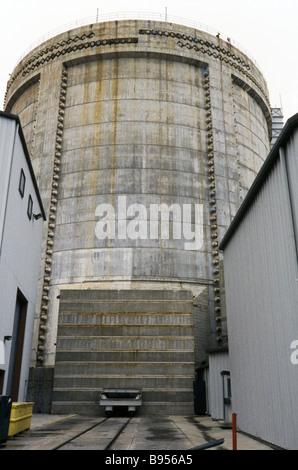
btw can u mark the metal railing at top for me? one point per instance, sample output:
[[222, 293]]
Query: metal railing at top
[[126, 15]]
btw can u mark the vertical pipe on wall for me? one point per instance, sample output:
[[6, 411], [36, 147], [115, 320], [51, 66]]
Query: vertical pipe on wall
[[234, 430]]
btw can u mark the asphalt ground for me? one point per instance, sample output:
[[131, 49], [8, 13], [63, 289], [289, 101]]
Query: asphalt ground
[[173, 435]]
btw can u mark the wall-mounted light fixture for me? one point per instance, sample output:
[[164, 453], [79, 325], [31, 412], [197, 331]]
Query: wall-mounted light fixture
[[7, 338]]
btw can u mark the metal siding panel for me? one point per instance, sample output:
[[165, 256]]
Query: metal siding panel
[[261, 303], [291, 152], [217, 363], [7, 133]]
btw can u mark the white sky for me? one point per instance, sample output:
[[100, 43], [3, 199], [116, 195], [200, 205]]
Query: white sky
[[266, 29]]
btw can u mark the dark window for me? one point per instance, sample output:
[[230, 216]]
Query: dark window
[[1, 381], [22, 183], [229, 388], [30, 207]]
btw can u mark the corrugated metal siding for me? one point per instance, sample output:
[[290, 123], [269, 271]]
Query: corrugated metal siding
[[7, 134], [260, 273], [217, 363], [291, 154]]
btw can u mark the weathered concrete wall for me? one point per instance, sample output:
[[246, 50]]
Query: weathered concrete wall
[[156, 112]]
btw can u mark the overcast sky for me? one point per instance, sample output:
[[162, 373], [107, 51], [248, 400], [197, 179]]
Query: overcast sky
[[266, 29]]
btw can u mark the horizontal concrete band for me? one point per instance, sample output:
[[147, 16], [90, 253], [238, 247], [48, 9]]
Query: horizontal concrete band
[[172, 395], [160, 408], [120, 343], [126, 330], [114, 295], [124, 318], [110, 380], [116, 309], [124, 368], [126, 356]]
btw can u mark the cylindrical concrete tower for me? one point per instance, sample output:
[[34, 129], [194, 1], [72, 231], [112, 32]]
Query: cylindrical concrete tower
[[145, 137]]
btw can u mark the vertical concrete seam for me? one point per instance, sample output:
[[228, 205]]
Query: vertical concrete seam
[[52, 220], [35, 119], [236, 133]]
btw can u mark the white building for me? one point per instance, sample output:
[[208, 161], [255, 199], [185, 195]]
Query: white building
[[261, 274], [21, 224]]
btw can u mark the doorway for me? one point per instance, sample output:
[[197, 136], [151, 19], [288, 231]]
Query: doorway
[[1, 381], [17, 344]]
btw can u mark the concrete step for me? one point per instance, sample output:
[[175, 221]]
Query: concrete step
[[84, 400], [129, 368], [153, 408], [83, 306], [124, 330], [124, 295], [93, 395], [121, 343], [144, 381], [109, 319], [63, 355]]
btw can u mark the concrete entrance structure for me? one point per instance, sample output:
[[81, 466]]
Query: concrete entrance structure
[[125, 339], [152, 113]]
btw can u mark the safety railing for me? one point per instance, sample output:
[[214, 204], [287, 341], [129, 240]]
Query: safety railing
[[126, 15]]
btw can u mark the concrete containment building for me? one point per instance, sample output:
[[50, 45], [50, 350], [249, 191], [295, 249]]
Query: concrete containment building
[[145, 137]]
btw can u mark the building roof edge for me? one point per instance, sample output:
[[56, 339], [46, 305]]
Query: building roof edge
[[287, 130], [28, 159]]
